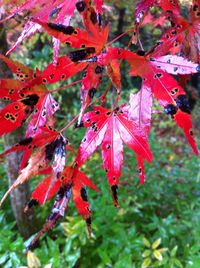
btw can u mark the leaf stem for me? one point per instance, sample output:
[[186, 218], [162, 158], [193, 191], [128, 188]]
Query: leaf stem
[[70, 123], [118, 37], [66, 86]]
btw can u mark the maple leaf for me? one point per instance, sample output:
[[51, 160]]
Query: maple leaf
[[90, 82], [139, 111], [144, 6], [63, 69], [154, 70], [28, 144], [183, 36], [78, 38], [111, 129], [42, 116], [129, 123], [113, 71], [61, 11], [51, 146], [70, 180], [170, 94], [27, 95]]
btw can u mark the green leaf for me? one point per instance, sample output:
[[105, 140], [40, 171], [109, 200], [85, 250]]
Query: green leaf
[[173, 251], [156, 243], [157, 255], [4, 257], [178, 263], [146, 263], [162, 250], [32, 260], [146, 242], [146, 253]]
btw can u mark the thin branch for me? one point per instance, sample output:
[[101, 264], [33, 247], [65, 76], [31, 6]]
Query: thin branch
[[66, 86]]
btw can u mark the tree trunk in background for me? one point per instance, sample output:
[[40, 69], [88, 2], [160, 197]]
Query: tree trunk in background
[[19, 197]]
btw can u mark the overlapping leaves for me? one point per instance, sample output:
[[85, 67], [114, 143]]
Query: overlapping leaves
[[30, 100]]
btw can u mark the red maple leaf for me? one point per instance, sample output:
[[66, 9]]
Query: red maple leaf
[[70, 180], [183, 36], [156, 71], [111, 128]]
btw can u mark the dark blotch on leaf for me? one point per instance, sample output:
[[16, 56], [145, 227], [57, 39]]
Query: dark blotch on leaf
[[89, 221], [81, 54], [99, 19], [93, 17], [141, 52], [114, 189], [54, 147], [80, 6], [31, 203], [61, 193], [78, 125], [92, 92], [25, 141], [158, 75], [30, 100], [84, 194], [98, 70], [195, 7], [170, 109], [78, 55], [90, 50], [61, 28], [182, 103], [198, 68]]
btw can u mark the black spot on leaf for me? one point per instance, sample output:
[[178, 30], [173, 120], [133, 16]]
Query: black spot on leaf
[[84, 194], [31, 100], [26, 141], [158, 75], [182, 103], [93, 17], [170, 109], [92, 92], [81, 54], [31, 203], [98, 70], [114, 189], [61, 28], [78, 125], [198, 68], [141, 52], [80, 6]]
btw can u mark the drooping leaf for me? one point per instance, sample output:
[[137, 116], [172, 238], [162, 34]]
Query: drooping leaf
[[70, 180], [90, 82], [139, 111], [63, 69], [76, 37], [143, 6], [113, 70], [170, 94], [23, 73], [111, 129], [45, 111], [30, 29], [36, 162]]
